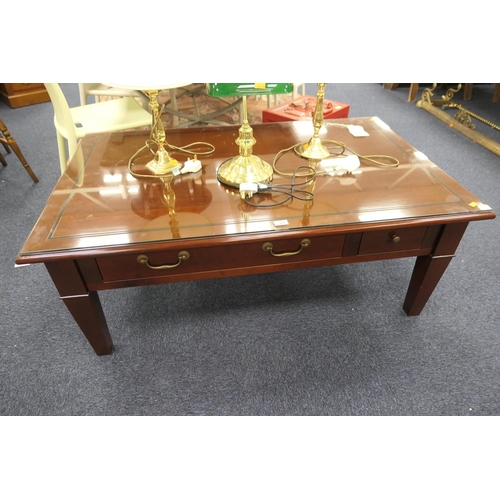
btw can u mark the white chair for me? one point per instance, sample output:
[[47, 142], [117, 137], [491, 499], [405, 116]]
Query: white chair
[[98, 90], [296, 89], [107, 116]]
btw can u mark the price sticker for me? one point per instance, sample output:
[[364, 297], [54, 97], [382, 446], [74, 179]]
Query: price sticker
[[280, 223], [357, 131]]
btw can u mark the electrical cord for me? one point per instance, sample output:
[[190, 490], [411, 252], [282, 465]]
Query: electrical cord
[[393, 162], [292, 191], [289, 191]]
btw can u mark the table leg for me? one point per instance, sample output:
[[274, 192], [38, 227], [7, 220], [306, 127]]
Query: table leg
[[429, 268], [84, 305]]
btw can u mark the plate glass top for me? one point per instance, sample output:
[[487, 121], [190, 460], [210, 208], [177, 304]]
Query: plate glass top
[[103, 201]]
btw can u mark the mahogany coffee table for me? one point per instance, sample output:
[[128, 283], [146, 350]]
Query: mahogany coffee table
[[103, 228]]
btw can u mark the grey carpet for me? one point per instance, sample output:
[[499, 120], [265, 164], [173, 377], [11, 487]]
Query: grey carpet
[[332, 341]]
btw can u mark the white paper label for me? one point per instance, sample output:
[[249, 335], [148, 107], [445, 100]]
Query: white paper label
[[278, 223], [357, 131]]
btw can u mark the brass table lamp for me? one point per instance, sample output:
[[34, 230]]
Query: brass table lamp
[[314, 149], [162, 163], [246, 167]]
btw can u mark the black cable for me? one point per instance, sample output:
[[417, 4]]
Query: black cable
[[290, 191]]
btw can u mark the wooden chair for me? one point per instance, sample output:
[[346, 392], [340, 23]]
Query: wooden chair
[[9, 142]]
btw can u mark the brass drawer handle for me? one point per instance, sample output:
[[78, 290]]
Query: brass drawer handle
[[143, 259], [395, 238], [268, 247]]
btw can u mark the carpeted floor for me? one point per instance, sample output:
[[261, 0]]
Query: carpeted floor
[[333, 341]]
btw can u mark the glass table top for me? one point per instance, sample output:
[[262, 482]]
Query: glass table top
[[102, 201]]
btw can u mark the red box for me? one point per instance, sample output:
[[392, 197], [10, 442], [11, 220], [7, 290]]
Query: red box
[[302, 108]]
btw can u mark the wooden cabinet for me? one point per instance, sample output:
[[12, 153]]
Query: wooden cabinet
[[17, 95]]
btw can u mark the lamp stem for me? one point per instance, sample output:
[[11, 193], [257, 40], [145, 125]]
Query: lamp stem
[[314, 149], [162, 163], [245, 109]]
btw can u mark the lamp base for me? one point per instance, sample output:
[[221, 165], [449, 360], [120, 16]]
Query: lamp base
[[312, 150], [163, 163], [242, 169]]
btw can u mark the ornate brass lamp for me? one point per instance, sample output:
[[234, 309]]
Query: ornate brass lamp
[[314, 149], [246, 167], [162, 163]]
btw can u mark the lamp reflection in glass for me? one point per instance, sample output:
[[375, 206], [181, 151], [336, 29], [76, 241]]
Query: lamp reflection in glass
[[246, 167], [173, 206], [314, 149]]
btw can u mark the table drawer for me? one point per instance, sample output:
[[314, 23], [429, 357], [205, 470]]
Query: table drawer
[[391, 240], [261, 252]]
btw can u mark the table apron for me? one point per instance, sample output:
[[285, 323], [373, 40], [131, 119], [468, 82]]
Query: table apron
[[226, 260]]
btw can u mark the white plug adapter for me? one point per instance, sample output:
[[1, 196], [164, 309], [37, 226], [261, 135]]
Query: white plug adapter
[[191, 166]]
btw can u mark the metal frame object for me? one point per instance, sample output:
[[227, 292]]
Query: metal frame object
[[462, 121]]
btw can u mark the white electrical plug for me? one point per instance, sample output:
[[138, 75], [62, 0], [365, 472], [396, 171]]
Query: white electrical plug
[[340, 164], [248, 189], [191, 166]]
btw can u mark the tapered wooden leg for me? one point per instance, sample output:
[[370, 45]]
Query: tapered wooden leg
[[84, 305], [429, 269], [87, 312], [426, 275]]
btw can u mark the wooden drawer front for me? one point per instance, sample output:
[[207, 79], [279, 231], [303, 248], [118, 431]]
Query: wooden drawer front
[[391, 240], [219, 257]]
